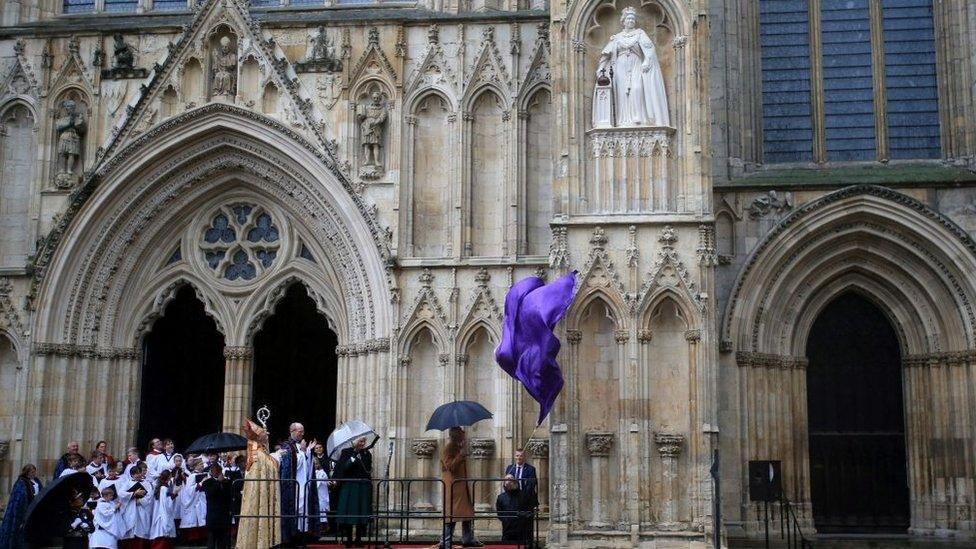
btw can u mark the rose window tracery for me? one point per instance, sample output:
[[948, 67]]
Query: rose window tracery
[[240, 242]]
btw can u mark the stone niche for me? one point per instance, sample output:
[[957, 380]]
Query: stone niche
[[627, 63]]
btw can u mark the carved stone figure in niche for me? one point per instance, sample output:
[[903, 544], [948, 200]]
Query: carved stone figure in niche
[[124, 57], [636, 86], [225, 69], [372, 120], [123, 61], [321, 56], [70, 127]]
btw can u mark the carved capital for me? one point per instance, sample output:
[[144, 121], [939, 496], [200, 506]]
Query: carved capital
[[693, 335], [644, 336], [238, 353], [599, 443], [482, 448], [574, 336], [410, 119], [621, 336], [461, 359], [405, 361], [423, 448], [443, 359], [538, 448], [669, 444]]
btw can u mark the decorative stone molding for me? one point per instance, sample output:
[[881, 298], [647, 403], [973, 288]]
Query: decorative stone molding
[[621, 336], [405, 361], [574, 336], [770, 204], [538, 448], [238, 353], [599, 240], [4, 450], [706, 246], [68, 350], [745, 359], [638, 156], [559, 248], [482, 448], [633, 252], [423, 448], [669, 444], [443, 359], [599, 443], [693, 335], [644, 336]]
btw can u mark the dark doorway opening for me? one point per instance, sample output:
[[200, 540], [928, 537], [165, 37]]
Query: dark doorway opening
[[296, 368], [858, 477], [182, 374]]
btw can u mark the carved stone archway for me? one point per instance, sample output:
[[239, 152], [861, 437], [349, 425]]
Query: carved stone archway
[[132, 232], [918, 267]]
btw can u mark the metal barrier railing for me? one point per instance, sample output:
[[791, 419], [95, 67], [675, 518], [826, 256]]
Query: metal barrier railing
[[393, 510]]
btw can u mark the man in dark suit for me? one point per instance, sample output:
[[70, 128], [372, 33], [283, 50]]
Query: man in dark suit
[[524, 474], [220, 492]]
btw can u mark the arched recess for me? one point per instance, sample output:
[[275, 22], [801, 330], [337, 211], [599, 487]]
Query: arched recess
[[430, 152], [99, 276], [918, 267], [487, 174], [18, 156], [536, 171]]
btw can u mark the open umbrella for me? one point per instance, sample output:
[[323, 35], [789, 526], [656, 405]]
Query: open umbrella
[[215, 443], [45, 515], [459, 413], [346, 434]]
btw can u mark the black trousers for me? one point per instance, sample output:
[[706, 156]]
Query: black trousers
[[218, 538]]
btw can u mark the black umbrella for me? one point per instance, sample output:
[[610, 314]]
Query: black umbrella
[[459, 413], [215, 443], [46, 514]]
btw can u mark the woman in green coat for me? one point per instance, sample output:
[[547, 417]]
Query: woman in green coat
[[354, 471]]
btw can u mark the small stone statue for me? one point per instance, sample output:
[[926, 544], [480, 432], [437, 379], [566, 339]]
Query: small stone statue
[[225, 69], [321, 56], [124, 56], [321, 46], [372, 120], [70, 127]]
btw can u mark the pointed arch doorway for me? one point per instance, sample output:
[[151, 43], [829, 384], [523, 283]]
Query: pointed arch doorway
[[858, 464], [182, 374], [296, 367]]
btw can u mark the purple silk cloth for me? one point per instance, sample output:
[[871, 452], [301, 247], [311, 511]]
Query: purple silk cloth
[[528, 348]]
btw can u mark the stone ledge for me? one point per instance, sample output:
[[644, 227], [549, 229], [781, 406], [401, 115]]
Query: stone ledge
[[892, 175]]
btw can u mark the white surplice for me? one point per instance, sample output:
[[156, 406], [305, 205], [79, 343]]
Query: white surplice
[[163, 521]]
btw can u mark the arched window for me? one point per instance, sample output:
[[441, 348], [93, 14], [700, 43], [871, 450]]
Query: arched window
[[18, 151], [876, 98]]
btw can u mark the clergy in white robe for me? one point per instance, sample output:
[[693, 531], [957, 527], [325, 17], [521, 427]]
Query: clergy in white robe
[[109, 524], [295, 471]]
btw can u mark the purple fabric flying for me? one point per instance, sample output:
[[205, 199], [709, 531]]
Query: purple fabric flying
[[528, 348]]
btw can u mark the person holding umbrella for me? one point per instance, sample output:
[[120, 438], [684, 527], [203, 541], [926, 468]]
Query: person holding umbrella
[[457, 496], [355, 468], [25, 489]]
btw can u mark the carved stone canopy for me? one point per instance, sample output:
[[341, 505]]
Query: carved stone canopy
[[538, 448], [669, 444], [482, 448], [423, 447], [599, 443]]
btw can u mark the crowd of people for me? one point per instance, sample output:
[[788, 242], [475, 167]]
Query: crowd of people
[[259, 499]]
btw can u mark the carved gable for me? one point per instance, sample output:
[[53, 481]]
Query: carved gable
[[489, 68], [19, 79], [538, 70], [599, 273], [72, 73], [183, 80], [434, 71], [373, 63], [668, 271]]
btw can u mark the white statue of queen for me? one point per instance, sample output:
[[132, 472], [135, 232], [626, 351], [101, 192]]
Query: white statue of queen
[[638, 94]]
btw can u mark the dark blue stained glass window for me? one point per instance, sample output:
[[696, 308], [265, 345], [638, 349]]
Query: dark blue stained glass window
[[214, 257], [240, 267], [848, 85], [785, 50], [220, 231], [265, 3], [910, 81], [266, 257], [177, 255], [306, 2], [79, 6], [305, 253], [169, 5], [242, 212], [119, 6], [264, 230]]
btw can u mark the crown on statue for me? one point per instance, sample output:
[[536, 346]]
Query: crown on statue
[[627, 11]]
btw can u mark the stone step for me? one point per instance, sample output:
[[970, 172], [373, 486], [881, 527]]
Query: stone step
[[860, 542]]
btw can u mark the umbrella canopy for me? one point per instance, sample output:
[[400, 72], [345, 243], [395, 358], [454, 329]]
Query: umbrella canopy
[[46, 514], [346, 434], [215, 443], [459, 413]]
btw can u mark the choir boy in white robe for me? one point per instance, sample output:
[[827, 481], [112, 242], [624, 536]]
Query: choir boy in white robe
[[322, 486], [193, 504], [137, 508], [109, 524], [155, 451], [76, 464], [163, 529], [164, 461], [113, 476], [96, 467], [131, 459]]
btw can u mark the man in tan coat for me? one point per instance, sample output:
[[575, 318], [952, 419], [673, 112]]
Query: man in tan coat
[[457, 497]]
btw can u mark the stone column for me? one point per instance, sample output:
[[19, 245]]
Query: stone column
[[424, 449], [669, 446], [538, 448], [598, 444], [482, 450], [237, 386]]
